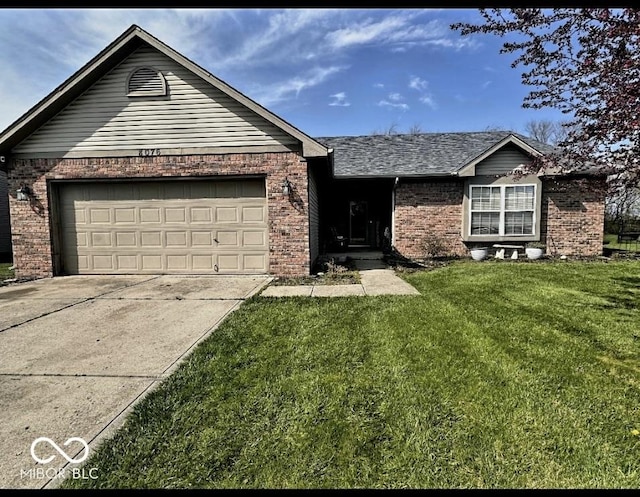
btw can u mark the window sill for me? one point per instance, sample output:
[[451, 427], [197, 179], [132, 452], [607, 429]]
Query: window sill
[[499, 239]]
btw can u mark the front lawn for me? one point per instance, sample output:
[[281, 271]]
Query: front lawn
[[611, 242], [500, 375], [5, 272]]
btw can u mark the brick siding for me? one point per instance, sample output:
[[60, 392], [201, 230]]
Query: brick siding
[[288, 217], [429, 210], [572, 221]]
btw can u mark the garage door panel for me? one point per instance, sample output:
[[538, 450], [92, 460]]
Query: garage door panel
[[227, 238], [162, 227], [177, 262], [175, 215], [253, 214], [101, 239], [201, 215], [126, 262], [150, 215], [99, 215], [126, 239], [254, 262], [176, 239], [102, 262], [228, 214], [201, 239], [228, 262], [203, 262], [150, 239], [151, 262], [254, 239], [124, 215]]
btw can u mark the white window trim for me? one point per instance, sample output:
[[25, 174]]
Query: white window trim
[[502, 211]]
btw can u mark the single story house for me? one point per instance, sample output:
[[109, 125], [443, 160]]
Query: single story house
[[144, 162]]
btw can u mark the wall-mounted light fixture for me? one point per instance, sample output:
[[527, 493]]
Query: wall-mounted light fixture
[[23, 193], [286, 187]]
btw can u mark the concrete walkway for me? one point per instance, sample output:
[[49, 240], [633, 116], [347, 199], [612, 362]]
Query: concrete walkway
[[375, 279]]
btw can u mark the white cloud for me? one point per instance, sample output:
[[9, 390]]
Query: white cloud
[[428, 100], [395, 97], [486, 84], [422, 86], [399, 32], [365, 32], [339, 100], [418, 84], [279, 53], [290, 35], [277, 92], [386, 103]]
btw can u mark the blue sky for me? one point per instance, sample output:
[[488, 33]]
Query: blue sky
[[328, 72]]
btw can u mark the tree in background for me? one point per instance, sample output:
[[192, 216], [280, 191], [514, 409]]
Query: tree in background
[[392, 129], [622, 210], [585, 62], [547, 131], [544, 130]]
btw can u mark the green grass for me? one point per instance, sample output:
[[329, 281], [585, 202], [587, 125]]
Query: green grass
[[612, 240], [5, 272], [518, 375]]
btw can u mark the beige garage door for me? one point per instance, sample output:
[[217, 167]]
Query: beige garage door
[[164, 227]]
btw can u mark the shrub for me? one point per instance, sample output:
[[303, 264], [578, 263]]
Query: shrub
[[433, 246]]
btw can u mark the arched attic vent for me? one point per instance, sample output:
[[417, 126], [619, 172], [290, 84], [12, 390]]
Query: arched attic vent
[[146, 82]]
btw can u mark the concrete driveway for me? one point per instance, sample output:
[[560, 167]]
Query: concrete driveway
[[76, 352]]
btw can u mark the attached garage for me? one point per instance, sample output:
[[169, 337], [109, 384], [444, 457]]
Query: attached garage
[[163, 226], [143, 162]]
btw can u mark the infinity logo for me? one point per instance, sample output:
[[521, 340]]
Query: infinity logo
[[60, 451]]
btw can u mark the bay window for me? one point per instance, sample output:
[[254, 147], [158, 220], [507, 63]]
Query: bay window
[[502, 210]]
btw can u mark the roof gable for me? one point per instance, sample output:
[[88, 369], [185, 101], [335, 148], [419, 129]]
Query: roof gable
[[188, 116], [419, 155], [132, 39], [469, 169]]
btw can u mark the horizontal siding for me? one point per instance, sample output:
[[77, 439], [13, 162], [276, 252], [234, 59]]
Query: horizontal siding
[[502, 162], [193, 114], [5, 228]]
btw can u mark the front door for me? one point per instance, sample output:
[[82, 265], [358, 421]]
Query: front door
[[358, 222]]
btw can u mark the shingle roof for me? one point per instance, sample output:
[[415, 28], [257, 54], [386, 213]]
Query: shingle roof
[[424, 154]]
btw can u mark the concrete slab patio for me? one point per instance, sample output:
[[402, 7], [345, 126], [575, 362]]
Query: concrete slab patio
[[78, 352]]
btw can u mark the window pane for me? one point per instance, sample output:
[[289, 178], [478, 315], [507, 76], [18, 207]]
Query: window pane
[[518, 223], [485, 198], [519, 198], [485, 223]]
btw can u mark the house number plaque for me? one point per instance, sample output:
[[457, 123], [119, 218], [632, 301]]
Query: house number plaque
[[148, 152]]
